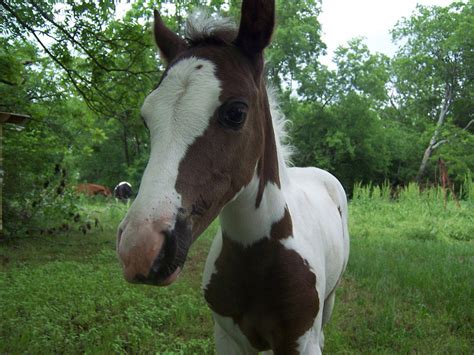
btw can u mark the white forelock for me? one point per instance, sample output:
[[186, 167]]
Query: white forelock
[[201, 24]]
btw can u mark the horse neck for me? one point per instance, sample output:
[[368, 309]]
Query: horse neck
[[260, 206]]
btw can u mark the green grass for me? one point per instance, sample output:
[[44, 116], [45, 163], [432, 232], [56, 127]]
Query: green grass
[[66, 294], [408, 287], [409, 283]]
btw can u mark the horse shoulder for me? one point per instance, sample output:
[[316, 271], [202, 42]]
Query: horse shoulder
[[319, 181], [318, 207]]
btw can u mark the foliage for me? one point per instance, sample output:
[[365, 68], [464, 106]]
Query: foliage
[[367, 120], [438, 216], [32, 200], [66, 293], [51, 209], [340, 127], [370, 118], [433, 78], [296, 42]]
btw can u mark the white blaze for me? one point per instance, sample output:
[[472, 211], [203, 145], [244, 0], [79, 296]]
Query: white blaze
[[177, 112]]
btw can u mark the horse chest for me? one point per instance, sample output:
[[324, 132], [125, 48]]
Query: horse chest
[[268, 291]]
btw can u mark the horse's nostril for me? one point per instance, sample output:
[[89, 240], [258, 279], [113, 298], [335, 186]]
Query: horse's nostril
[[159, 260], [164, 263]]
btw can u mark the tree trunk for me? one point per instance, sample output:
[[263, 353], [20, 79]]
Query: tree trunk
[[137, 144], [125, 145], [434, 138]]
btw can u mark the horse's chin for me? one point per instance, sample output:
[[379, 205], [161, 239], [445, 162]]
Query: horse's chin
[[170, 279]]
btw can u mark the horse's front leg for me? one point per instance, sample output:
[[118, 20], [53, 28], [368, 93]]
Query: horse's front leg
[[226, 345]]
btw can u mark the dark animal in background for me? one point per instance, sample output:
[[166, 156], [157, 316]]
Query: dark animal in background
[[123, 191], [93, 190]]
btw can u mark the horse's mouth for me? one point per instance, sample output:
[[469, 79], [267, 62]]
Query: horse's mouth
[[163, 276], [170, 261], [161, 279], [154, 256], [171, 278]]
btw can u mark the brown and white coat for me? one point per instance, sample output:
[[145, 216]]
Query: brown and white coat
[[216, 150]]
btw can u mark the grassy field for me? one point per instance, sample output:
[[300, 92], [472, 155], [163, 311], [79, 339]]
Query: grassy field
[[408, 287]]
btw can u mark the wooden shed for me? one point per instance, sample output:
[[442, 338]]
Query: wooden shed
[[17, 120]]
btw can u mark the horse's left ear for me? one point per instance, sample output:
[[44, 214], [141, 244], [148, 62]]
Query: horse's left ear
[[256, 26], [169, 43]]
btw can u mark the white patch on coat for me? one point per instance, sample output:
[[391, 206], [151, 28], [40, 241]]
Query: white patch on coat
[[320, 232], [229, 338], [176, 113], [246, 224], [214, 252]]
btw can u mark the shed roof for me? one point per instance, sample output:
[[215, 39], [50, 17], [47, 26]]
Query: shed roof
[[14, 118]]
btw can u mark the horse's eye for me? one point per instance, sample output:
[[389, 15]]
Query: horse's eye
[[232, 114]]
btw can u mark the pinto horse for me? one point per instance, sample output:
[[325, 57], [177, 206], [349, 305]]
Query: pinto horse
[[123, 191], [216, 150], [93, 190]]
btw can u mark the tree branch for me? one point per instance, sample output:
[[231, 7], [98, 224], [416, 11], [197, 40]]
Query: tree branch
[[438, 144], [45, 48], [448, 95], [11, 83], [80, 45], [468, 125]]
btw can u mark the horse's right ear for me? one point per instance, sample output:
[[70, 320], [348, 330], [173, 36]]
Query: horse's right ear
[[168, 42], [256, 26]]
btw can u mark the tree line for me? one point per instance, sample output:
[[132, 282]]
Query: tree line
[[82, 70]]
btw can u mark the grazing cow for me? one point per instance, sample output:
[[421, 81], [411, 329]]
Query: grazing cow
[[123, 191], [93, 190], [217, 150]]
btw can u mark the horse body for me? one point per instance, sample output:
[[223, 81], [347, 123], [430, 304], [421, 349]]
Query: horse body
[[246, 322], [123, 191], [216, 150], [93, 190]]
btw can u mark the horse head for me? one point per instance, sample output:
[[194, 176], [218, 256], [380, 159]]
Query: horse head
[[211, 133]]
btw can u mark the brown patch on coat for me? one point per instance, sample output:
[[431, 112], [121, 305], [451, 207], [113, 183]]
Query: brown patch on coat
[[268, 164], [283, 228], [269, 291], [222, 161]]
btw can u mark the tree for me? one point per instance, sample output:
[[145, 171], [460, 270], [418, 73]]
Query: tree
[[338, 121], [433, 71]]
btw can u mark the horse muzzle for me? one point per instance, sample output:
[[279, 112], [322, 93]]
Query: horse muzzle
[[153, 253]]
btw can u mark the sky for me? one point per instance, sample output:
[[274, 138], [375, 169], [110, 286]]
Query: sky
[[342, 20]]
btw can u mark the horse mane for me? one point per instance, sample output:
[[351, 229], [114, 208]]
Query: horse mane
[[280, 127], [204, 28]]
